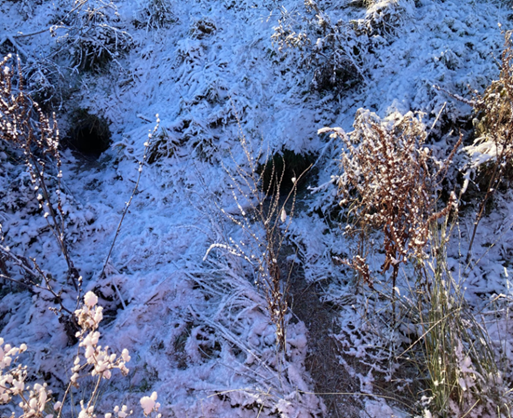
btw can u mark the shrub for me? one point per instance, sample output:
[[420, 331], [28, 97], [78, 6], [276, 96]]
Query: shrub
[[335, 52], [25, 128], [154, 14], [164, 145], [45, 81], [492, 151], [326, 48], [261, 247], [388, 184], [94, 34]]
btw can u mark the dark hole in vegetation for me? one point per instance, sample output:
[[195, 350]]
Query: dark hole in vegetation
[[202, 29], [277, 173], [333, 77], [89, 135], [453, 127], [6, 47]]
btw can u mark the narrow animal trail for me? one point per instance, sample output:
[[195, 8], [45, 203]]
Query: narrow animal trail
[[331, 380]]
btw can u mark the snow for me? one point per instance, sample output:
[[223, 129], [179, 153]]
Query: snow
[[194, 323]]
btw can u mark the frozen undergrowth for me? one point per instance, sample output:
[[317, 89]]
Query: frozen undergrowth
[[193, 325]]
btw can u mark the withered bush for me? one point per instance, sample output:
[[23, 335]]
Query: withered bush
[[154, 14], [389, 184]]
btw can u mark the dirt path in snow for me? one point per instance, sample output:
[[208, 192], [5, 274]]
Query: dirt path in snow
[[322, 363]]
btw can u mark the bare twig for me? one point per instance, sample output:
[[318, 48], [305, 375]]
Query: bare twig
[[268, 210], [34, 272], [39, 142], [127, 205]]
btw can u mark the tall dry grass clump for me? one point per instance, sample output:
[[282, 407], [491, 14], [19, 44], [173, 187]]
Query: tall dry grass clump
[[452, 349]]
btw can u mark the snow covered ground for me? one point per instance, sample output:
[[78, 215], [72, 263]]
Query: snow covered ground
[[197, 327]]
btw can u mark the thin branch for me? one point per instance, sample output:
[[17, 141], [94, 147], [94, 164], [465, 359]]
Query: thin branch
[[134, 191]]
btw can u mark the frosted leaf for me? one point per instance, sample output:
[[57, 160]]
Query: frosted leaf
[[18, 386], [125, 356], [147, 404], [90, 299]]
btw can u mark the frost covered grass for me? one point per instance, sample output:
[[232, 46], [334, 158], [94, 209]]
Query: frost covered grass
[[200, 332]]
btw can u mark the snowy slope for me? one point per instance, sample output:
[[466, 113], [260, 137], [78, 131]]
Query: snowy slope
[[198, 330]]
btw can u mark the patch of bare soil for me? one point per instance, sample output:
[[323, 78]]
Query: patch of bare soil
[[332, 382]]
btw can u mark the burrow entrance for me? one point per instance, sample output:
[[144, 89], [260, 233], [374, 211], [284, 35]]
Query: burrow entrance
[[89, 134]]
